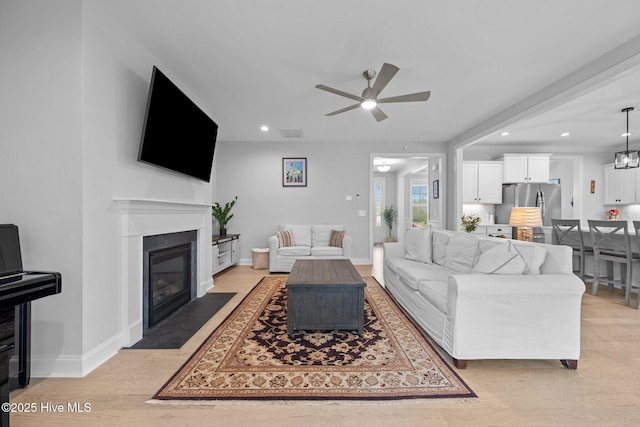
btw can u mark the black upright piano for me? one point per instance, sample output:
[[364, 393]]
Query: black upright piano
[[17, 289]]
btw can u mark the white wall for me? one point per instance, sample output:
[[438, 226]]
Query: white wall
[[40, 158], [74, 87]]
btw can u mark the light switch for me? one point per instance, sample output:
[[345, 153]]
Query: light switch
[[362, 213], [348, 198]]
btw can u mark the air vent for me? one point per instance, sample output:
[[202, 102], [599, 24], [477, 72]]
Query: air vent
[[292, 133]]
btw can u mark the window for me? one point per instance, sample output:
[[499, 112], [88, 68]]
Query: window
[[378, 197], [419, 203]]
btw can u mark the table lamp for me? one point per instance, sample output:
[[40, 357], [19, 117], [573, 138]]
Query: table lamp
[[525, 219]]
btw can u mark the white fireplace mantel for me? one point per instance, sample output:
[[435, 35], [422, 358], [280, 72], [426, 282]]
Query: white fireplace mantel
[[149, 217]]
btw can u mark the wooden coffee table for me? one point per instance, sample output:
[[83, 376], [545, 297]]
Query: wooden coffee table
[[325, 295]]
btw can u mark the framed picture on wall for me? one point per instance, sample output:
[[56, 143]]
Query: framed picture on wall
[[294, 172], [436, 189]]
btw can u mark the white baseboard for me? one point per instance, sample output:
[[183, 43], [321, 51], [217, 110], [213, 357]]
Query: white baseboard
[[67, 366], [204, 287]]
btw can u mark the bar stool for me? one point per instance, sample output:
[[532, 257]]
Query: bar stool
[[569, 233], [613, 247]]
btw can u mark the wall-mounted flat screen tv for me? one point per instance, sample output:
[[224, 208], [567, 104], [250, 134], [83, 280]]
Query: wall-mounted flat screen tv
[[177, 135]]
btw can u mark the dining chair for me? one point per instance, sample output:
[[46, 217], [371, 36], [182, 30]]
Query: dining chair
[[636, 226], [611, 243], [569, 233]]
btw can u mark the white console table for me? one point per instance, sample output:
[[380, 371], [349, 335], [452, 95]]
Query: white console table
[[225, 251]]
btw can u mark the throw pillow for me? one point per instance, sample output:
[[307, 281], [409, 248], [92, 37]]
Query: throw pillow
[[417, 244], [336, 238], [501, 259], [321, 234], [301, 233], [461, 253], [285, 238], [485, 244], [439, 248], [533, 256]]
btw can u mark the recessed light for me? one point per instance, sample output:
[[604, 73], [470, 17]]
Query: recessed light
[[504, 134], [264, 128], [565, 134]]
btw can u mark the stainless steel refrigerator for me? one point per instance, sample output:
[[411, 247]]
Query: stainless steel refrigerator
[[544, 196]]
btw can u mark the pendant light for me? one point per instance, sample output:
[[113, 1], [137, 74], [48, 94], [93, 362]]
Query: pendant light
[[627, 159]]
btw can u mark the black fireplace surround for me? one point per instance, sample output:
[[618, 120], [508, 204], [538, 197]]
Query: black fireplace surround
[[169, 274]]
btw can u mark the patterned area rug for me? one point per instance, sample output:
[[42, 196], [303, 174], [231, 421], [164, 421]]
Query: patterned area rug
[[250, 356]]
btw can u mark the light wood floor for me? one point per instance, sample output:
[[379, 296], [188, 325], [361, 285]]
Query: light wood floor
[[604, 390]]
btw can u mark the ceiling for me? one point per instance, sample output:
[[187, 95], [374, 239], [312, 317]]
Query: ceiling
[[534, 68]]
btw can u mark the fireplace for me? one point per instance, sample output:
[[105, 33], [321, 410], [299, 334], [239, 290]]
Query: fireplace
[[169, 274]]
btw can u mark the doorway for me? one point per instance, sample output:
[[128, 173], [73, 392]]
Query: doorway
[[406, 182]]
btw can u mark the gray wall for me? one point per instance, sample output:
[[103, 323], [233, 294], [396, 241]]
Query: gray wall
[[253, 172]]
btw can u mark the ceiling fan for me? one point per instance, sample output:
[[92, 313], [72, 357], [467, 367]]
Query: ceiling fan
[[369, 99]]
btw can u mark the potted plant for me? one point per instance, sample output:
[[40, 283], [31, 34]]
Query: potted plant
[[222, 215], [470, 222], [389, 216]]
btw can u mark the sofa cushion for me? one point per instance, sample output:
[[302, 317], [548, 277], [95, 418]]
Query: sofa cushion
[[417, 244], [326, 251], [301, 233], [501, 259], [532, 254], [461, 253], [321, 234], [439, 247], [435, 292], [392, 263], [285, 238], [412, 272], [295, 251], [337, 236]]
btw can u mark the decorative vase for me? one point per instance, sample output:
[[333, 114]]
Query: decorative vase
[[223, 231]]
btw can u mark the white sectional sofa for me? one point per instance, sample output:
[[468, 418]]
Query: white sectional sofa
[[488, 298], [307, 242]]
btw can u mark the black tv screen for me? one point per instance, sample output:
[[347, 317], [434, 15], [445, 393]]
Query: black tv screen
[[177, 134]]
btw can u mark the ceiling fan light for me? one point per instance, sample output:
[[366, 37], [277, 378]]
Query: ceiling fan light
[[368, 104]]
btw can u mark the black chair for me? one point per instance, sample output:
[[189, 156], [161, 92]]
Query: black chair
[[611, 243], [569, 233]]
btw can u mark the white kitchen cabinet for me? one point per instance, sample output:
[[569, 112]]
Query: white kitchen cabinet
[[482, 182], [493, 230], [526, 168], [620, 186]]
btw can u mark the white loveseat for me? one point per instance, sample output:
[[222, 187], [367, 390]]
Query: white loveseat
[[488, 298], [308, 242]]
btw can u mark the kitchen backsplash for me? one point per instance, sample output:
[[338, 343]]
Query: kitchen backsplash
[[485, 212]]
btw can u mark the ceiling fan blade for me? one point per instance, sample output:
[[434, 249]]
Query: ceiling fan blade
[[378, 114], [384, 77], [349, 108], [341, 93], [412, 97]]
